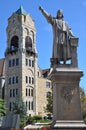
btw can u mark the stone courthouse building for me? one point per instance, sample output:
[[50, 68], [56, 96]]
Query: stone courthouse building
[[19, 70]]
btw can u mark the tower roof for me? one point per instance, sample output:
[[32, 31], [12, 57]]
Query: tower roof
[[21, 11]]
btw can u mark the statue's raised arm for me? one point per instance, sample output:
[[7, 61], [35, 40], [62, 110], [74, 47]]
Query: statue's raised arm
[[47, 16]]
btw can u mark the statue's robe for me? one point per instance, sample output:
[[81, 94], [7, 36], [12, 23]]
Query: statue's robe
[[61, 45]]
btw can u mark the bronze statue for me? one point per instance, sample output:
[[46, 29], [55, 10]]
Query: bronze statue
[[61, 35]]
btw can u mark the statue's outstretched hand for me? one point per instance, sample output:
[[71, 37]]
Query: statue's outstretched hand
[[40, 8]]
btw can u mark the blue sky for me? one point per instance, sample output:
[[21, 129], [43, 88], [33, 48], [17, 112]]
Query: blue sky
[[74, 13]]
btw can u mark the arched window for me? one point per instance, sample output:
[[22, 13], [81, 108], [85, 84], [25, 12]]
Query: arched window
[[28, 42], [32, 33], [26, 31], [14, 43]]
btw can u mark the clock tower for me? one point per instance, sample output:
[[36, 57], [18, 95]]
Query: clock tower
[[21, 61]]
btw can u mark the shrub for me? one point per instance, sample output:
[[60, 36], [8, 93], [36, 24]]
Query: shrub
[[22, 123], [37, 117]]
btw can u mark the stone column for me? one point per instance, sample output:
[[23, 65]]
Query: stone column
[[74, 44]]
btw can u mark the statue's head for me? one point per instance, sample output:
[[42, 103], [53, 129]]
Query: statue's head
[[59, 14]]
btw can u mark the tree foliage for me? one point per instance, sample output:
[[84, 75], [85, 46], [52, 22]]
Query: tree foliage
[[2, 108], [83, 103], [49, 106], [19, 107]]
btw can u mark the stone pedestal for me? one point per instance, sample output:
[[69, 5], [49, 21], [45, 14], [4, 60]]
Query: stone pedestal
[[66, 99], [68, 125]]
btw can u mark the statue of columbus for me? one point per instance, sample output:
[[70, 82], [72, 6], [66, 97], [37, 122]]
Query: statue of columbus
[[61, 36]]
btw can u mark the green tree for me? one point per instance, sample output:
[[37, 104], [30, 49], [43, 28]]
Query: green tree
[[19, 107], [83, 103], [49, 106], [2, 108]]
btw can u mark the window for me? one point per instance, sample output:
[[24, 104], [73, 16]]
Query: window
[[28, 42], [32, 63], [29, 62], [29, 80], [16, 79], [9, 63], [14, 43], [48, 94], [32, 80], [16, 91], [17, 61], [26, 104], [26, 79], [29, 105], [32, 35], [47, 84], [13, 80], [10, 80], [10, 92], [26, 91], [13, 92], [26, 62], [13, 62], [38, 73], [29, 92], [32, 92], [32, 105]]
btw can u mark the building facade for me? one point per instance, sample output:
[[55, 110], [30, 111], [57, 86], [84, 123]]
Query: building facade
[[22, 74]]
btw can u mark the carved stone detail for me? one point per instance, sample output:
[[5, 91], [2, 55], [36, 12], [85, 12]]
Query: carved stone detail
[[67, 93]]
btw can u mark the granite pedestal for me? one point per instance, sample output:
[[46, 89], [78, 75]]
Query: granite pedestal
[[67, 113]]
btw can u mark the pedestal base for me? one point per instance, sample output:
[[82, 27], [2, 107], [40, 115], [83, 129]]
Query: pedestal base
[[68, 125]]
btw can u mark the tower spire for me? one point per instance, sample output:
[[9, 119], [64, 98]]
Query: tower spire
[[21, 11]]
